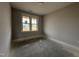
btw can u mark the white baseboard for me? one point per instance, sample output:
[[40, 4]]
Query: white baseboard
[[71, 48], [65, 44]]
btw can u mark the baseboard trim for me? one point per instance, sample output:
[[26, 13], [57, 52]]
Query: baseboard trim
[[65, 44]]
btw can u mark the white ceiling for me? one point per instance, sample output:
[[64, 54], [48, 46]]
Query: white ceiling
[[43, 9]]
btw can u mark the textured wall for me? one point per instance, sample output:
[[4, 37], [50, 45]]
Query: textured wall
[[63, 24], [5, 28]]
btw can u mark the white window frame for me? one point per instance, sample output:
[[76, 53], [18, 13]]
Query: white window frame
[[30, 17]]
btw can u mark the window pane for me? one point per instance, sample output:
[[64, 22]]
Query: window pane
[[34, 27], [34, 20], [25, 19], [34, 24], [25, 23]]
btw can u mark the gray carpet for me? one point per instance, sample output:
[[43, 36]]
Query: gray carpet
[[41, 48]]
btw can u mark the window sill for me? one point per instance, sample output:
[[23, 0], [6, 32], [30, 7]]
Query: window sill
[[27, 38]]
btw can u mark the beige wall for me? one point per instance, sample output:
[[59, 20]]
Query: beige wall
[[5, 28], [63, 25]]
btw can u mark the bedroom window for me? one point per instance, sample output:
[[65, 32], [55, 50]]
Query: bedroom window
[[29, 24], [34, 23], [25, 24]]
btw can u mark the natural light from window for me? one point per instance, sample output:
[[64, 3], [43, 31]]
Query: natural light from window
[[25, 23], [29, 24], [34, 24]]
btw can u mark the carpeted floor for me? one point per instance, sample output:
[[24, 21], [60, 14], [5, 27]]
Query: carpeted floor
[[41, 48]]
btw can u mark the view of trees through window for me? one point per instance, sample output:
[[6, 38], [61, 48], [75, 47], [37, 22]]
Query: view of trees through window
[[29, 23]]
